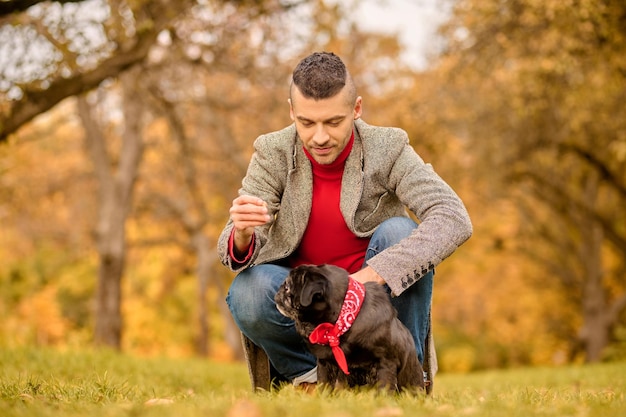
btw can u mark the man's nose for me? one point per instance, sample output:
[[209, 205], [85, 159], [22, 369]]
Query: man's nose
[[321, 135]]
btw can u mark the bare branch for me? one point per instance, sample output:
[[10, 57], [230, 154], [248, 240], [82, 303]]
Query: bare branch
[[35, 102], [18, 6], [152, 19], [94, 141], [557, 195], [600, 166]]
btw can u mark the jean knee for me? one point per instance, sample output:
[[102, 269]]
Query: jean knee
[[388, 233], [397, 226], [251, 299]]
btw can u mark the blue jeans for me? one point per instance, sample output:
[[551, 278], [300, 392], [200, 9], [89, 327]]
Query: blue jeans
[[251, 302]]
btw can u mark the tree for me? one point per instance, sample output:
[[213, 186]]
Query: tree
[[116, 188], [75, 71], [539, 85], [211, 121], [76, 61], [67, 68]]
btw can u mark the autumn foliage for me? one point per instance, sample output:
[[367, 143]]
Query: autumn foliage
[[521, 111]]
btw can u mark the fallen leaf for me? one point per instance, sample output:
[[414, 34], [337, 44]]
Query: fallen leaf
[[159, 401], [389, 412], [27, 397], [244, 408]]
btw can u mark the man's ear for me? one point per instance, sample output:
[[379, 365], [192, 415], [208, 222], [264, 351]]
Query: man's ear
[[358, 108], [314, 285], [291, 113]]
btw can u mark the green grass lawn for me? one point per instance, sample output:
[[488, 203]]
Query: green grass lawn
[[50, 383]]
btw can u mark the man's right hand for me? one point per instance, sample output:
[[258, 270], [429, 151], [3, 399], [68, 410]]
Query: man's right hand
[[247, 212]]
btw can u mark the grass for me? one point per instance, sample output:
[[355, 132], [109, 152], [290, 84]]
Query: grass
[[101, 383]]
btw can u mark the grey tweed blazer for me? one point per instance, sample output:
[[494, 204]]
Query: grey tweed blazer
[[382, 178]]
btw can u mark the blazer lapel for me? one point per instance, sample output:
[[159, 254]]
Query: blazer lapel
[[298, 195]]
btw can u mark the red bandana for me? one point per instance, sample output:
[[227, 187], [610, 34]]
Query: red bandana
[[328, 334]]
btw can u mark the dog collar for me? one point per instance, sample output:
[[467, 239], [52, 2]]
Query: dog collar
[[329, 334]]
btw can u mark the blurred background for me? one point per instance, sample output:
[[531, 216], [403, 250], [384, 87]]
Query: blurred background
[[126, 127]]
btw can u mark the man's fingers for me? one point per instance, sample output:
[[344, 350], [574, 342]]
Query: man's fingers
[[249, 199], [249, 211], [248, 204]]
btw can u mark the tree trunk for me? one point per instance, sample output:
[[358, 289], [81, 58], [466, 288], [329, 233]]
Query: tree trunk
[[232, 334], [108, 329], [204, 259], [595, 330], [111, 237], [115, 194]]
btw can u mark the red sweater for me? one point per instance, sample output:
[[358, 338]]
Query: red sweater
[[327, 238]]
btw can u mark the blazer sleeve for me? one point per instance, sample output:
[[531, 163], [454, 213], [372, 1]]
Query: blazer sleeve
[[444, 222], [265, 178]]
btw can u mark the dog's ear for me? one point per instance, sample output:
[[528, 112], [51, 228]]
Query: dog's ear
[[315, 284]]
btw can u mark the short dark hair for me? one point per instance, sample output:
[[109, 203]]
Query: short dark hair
[[322, 75]]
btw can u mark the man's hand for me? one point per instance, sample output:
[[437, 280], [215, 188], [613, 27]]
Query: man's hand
[[247, 212], [368, 274]]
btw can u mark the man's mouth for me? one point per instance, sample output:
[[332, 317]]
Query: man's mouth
[[322, 151]]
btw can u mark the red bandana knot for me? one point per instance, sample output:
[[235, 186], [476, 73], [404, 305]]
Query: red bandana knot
[[329, 334]]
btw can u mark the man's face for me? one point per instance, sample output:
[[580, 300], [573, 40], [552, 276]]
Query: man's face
[[324, 126]]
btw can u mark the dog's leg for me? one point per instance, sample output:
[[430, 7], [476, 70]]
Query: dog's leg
[[323, 376], [387, 376], [410, 374], [328, 373]]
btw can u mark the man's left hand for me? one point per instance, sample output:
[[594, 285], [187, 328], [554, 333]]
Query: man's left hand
[[367, 274]]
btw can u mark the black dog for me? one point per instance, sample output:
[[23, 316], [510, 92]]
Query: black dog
[[376, 348]]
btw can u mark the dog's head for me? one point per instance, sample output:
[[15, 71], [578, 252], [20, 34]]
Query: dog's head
[[312, 294]]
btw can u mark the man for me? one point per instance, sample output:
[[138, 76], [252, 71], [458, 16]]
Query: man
[[331, 189]]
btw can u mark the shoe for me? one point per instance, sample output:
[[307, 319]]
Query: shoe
[[308, 387]]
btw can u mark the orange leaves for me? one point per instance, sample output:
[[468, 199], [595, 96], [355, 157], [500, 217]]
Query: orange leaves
[[38, 320]]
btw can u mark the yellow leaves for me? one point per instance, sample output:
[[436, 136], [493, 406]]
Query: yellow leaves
[[487, 309], [524, 58], [541, 77], [618, 148], [459, 359], [154, 310], [39, 320]]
